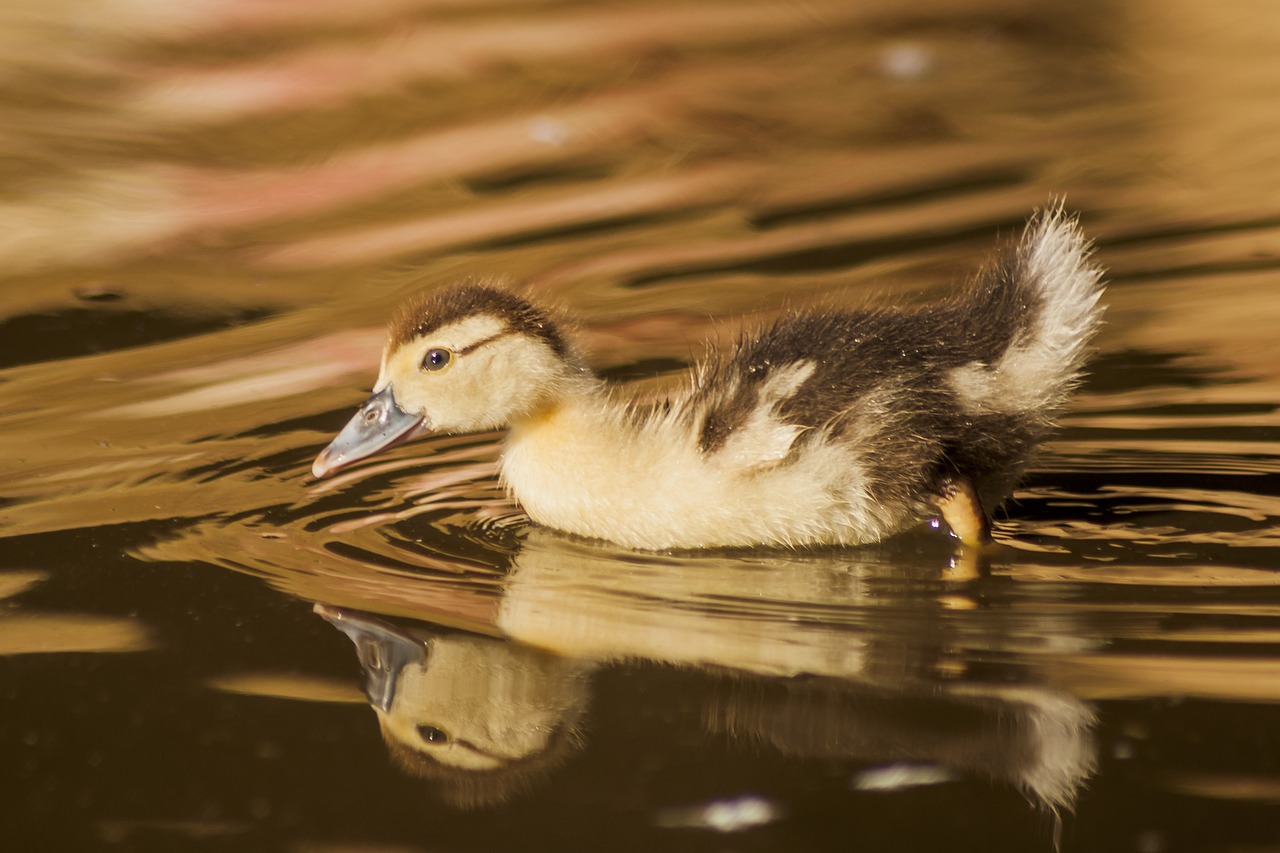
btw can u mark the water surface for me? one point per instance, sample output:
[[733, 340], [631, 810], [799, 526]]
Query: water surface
[[208, 212]]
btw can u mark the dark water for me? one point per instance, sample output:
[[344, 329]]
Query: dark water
[[209, 209]]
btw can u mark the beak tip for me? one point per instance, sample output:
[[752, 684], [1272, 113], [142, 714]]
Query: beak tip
[[327, 612], [323, 466]]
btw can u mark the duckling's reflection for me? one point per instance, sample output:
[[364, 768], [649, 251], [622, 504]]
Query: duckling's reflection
[[791, 651], [481, 717]]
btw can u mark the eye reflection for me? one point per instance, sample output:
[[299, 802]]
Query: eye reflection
[[431, 734]]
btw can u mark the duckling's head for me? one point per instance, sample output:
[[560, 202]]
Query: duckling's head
[[468, 358]]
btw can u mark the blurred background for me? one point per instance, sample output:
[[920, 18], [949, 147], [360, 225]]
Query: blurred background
[[208, 210]]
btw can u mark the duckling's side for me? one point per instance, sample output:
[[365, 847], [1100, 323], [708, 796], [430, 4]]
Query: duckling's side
[[833, 427]]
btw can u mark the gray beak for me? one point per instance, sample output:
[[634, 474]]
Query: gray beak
[[383, 652], [379, 424]]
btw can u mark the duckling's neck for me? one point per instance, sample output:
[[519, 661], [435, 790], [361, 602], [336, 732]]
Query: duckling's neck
[[576, 411], [582, 458], [578, 392]]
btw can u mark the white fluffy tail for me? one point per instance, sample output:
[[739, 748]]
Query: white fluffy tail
[[1056, 261], [1052, 278]]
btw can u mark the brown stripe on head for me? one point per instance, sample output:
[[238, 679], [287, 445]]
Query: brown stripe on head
[[438, 308]]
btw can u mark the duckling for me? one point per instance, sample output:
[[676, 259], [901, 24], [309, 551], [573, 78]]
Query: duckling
[[825, 428]]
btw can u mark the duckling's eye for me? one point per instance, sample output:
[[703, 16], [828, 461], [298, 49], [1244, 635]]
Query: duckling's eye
[[431, 734], [437, 359]]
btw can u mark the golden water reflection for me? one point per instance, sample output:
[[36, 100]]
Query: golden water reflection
[[800, 656], [50, 633], [209, 209]]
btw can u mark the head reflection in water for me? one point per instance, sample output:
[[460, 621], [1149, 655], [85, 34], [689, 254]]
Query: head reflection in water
[[483, 719]]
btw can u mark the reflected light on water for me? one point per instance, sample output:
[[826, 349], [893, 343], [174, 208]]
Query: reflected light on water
[[208, 210]]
